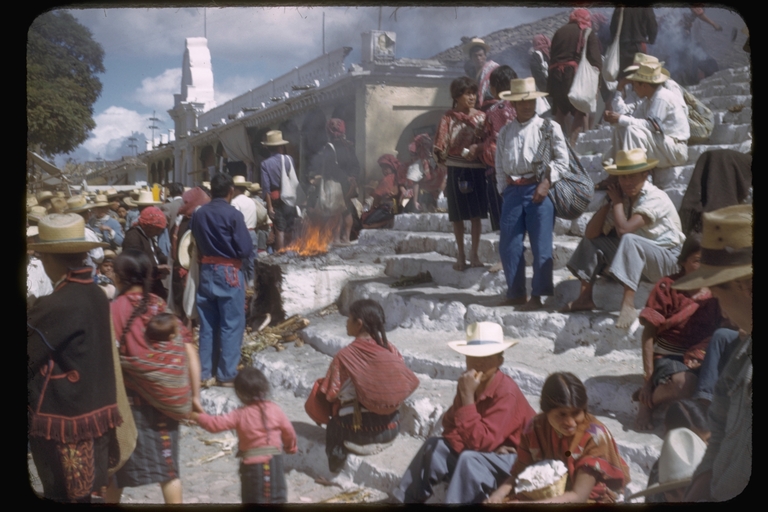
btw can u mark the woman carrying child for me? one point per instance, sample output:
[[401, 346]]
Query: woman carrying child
[[161, 370], [565, 431], [263, 433]]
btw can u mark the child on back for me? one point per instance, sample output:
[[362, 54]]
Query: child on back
[[262, 429]]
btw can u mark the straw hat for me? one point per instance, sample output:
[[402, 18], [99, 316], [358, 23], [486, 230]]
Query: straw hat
[[207, 184], [726, 248], [76, 204], [58, 205], [63, 233], [36, 213], [184, 244], [31, 201], [650, 74], [109, 254], [32, 231], [275, 138], [475, 41], [135, 193], [101, 200], [43, 195], [60, 193], [522, 89], [483, 339], [111, 192], [146, 199], [642, 58], [239, 181], [681, 454], [255, 188], [630, 161], [129, 202]]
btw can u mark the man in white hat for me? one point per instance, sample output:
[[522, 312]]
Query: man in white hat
[[102, 223], [71, 370], [660, 125], [526, 207], [726, 269], [38, 282], [247, 207], [635, 235], [481, 430], [480, 67], [282, 214], [79, 205]]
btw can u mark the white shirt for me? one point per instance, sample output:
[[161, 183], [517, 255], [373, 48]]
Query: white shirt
[[247, 207], [95, 256], [38, 282], [626, 102], [516, 147], [663, 226], [668, 108]]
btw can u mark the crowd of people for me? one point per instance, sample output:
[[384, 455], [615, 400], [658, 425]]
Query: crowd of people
[[116, 283]]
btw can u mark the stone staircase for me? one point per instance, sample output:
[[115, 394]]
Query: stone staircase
[[421, 318]]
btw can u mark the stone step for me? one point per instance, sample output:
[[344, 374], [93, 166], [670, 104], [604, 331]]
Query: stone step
[[744, 116], [672, 176], [724, 88], [730, 134], [725, 102], [694, 152], [437, 222]]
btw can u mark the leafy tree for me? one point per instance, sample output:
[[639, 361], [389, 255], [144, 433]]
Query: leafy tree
[[62, 86]]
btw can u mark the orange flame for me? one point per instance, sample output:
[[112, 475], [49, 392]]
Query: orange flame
[[316, 235]]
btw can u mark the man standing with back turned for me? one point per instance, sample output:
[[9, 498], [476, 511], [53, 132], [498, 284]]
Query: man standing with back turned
[[223, 242]]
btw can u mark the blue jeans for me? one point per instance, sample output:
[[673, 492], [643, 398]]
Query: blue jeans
[[718, 352], [221, 305], [519, 214]]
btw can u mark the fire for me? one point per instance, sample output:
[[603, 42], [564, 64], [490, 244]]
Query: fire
[[316, 235]]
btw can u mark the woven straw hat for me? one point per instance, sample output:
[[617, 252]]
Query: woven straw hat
[[275, 138], [146, 199], [111, 192], [649, 73], [63, 233], [483, 339], [58, 205], [129, 202], [109, 254], [184, 243], [101, 200], [681, 454], [475, 41], [207, 184], [36, 213], [726, 248], [43, 195], [522, 89], [630, 161], [31, 201], [255, 188], [32, 231], [239, 181], [642, 58], [78, 204]]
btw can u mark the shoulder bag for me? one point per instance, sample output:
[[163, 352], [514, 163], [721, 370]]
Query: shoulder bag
[[330, 200], [611, 61], [572, 193], [583, 93], [290, 189]]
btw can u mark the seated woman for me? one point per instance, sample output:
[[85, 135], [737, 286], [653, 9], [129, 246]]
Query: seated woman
[[365, 415], [385, 195], [635, 235], [677, 327], [425, 180], [596, 471]]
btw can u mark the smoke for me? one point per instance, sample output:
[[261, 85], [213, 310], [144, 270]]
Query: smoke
[[680, 51]]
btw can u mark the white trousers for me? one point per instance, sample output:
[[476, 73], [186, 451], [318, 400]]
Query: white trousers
[[657, 146]]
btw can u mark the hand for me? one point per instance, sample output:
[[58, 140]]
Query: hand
[[611, 117], [646, 394], [718, 28], [472, 152], [469, 382], [693, 364], [163, 269], [541, 191], [104, 227], [499, 494], [614, 193], [271, 213], [505, 450], [197, 407]]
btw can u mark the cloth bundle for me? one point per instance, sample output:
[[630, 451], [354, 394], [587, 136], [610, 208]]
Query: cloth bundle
[[540, 475]]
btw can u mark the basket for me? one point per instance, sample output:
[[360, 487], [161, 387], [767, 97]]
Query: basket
[[550, 491]]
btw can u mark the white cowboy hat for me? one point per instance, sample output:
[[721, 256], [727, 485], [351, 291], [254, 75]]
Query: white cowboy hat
[[649, 73], [681, 454], [630, 161], [275, 138], [63, 233], [146, 199], [522, 89], [184, 243], [475, 41], [239, 181], [726, 248], [483, 339]]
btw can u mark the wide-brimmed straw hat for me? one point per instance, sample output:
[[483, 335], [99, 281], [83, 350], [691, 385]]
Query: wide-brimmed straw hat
[[475, 41], [649, 73], [101, 200], [630, 161], [111, 192], [275, 138], [58, 205], [127, 201], [109, 254], [483, 339], [521, 89], [642, 58], [726, 248], [239, 181], [76, 204], [44, 195], [184, 244], [36, 213], [255, 188], [32, 231], [681, 454], [63, 233], [207, 184], [146, 199]]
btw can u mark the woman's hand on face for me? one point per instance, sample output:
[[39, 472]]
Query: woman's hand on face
[[615, 193]]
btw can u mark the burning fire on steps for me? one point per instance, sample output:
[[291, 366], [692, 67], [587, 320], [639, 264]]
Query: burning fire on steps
[[315, 237]]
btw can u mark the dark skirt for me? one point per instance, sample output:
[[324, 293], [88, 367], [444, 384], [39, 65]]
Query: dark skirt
[[469, 205], [494, 199], [156, 457], [376, 428], [263, 482], [558, 86]]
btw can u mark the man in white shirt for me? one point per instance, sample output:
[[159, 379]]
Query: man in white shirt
[[659, 125], [247, 207], [526, 206]]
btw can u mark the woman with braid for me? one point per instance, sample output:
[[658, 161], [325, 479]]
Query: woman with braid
[[161, 370]]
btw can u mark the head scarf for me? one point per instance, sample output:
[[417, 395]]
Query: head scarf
[[391, 161], [192, 199], [542, 43], [582, 17], [422, 145], [336, 129], [152, 216]]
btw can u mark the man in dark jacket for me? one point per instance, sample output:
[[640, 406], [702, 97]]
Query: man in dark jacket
[[638, 29]]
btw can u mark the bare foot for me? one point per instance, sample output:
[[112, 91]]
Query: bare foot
[[476, 263], [578, 305], [460, 266], [531, 305], [512, 302], [644, 419], [627, 315], [496, 267]]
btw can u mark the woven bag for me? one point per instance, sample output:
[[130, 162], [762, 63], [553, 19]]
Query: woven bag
[[572, 193], [701, 120]]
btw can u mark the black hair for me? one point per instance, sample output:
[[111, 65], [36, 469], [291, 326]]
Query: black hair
[[563, 389], [462, 85], [475, 48], [70, 260], [134, 268], [500, 78], [692, 245], [221, 185], [372, 315], [688, 414], [251, 385], [175, 189], [160, 327]]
